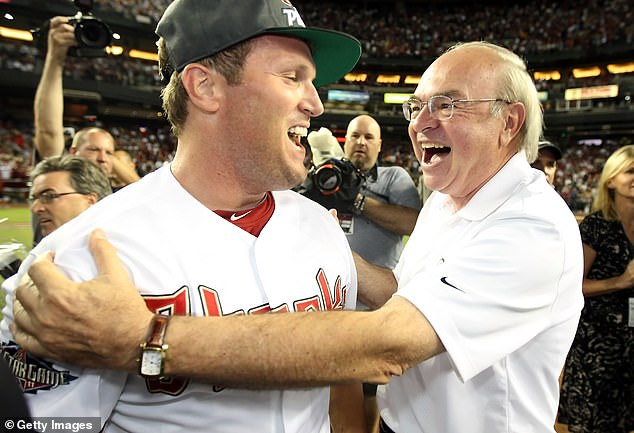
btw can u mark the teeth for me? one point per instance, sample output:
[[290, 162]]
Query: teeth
[[433, 146], [300, 131]]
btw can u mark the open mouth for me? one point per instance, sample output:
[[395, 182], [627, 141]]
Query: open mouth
[[430, 152], [295, 134]]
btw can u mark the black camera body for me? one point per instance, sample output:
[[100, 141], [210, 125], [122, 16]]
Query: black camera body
[[9, 263], [92, 34], [334, 184]]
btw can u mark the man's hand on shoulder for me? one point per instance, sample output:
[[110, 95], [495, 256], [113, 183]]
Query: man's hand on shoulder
[[97, 323]]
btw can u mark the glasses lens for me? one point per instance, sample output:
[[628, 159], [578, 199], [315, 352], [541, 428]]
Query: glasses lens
[[407, 110], [44, 198], [441, 107], [411, 109]]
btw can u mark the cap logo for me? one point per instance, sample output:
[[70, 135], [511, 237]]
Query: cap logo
[[294, 20]]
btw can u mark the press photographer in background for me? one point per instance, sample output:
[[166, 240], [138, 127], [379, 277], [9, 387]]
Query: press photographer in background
[[80, 36], [376, 206]]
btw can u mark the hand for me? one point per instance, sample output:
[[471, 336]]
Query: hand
[[628, 275], [61, 36], [97, 323], [324, 146]]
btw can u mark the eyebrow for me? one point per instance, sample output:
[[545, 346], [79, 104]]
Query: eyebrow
[[453, 94], [44, 191]]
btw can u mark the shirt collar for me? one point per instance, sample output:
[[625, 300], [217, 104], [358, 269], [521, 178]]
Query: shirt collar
[[498, 189]]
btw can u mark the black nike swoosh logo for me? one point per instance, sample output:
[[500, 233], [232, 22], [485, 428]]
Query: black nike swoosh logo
[[444, 281]]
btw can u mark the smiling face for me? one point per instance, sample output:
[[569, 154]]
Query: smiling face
[[459, 155], [269, 112], [623, 184]]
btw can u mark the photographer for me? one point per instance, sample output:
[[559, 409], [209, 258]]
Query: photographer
[[376, 206], [92, 143], [382, 203]]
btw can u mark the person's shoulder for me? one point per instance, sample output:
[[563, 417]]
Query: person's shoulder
[[393, 170], [288, 198], [595, 219]]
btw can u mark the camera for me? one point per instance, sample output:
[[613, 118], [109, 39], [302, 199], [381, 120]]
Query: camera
[[92, 34], [334, 174], [334, 184], [9, 263]]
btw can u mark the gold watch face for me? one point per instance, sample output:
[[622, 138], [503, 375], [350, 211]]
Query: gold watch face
[[151, 362]]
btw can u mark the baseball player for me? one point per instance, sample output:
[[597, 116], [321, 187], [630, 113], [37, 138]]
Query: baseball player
[[216, 232]]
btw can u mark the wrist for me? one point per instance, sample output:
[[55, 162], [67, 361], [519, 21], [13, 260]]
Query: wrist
[[151, 361]]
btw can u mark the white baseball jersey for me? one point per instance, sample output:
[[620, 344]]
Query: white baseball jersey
[[500, 282], [187, 260]]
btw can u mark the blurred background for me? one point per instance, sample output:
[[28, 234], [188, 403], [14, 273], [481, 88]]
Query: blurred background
[[581, 55]]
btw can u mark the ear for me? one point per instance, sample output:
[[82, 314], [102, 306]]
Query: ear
[[92, 198], [513, 120], [203, 86]]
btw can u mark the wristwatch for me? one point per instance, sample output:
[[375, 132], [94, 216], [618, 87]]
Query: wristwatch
[[359, 204], [153, 351]]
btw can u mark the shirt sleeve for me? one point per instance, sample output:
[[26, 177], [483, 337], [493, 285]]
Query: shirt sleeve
[[402, 190]]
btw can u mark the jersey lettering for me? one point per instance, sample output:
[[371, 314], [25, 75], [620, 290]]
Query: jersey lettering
[[178, 303]]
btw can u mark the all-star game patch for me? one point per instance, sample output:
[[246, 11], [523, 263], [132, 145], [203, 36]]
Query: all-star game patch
[[33, 374]]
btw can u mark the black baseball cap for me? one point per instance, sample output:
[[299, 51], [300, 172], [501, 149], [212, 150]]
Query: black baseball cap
[[195, 29], [545, 144]]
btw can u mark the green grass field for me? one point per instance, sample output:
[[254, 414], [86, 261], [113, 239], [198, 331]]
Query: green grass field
[[15, 228]]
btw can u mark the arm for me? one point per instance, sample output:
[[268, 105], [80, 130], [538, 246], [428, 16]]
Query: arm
[[400, 214], [398, 219], [122, 172], [101, 322], [608, 285], [48, 106], [376, 284]]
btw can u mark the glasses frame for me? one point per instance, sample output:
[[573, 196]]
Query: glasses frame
[[49, 197], [436, 114]]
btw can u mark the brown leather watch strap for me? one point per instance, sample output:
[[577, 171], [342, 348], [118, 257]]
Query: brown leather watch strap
[[158, 328]]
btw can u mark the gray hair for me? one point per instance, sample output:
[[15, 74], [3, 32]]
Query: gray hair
[[85, 176], [517, 86]]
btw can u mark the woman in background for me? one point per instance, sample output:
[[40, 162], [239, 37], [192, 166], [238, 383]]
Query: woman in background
[[598, 387]]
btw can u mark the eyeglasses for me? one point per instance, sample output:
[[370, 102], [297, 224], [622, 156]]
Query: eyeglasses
[[440, 106], [48, 197]]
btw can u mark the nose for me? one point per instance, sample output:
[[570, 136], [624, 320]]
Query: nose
[[423, 121], [37, 207], [102, 155], [311, 103]]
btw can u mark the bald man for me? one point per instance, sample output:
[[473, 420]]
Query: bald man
[[389, 205]]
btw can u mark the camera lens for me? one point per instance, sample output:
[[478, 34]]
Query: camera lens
[[328, 178], [91, 33]]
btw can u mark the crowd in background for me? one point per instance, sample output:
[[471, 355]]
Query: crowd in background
[[401, 29], [151, 147], [405, 29]]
